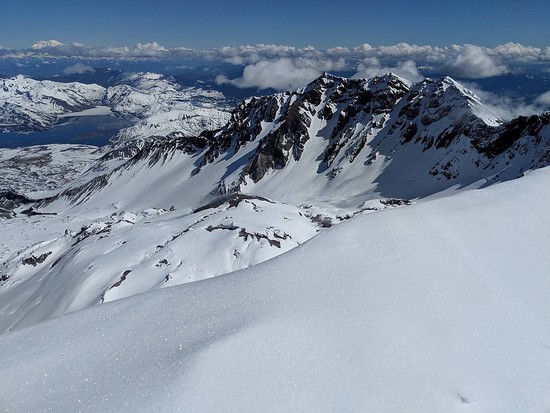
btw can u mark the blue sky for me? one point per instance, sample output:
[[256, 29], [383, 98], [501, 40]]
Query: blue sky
[[323, 24]]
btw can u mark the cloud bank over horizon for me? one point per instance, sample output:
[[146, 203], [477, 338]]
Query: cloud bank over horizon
[[250, 54], [283, 67]]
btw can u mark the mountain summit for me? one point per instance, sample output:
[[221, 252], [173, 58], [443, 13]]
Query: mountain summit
[[43, 44]]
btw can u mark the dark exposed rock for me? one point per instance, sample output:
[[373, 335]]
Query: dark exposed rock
[[9, 200], [233, 200], [395, 202], [211, 228], [274, 150], [357, 148], [34, 261], [446, 137], [272, 242], [243, 126], [88, 231], [511, 132], [30, 212], [121, 279], [411, 110], [410, 132], [322, 221], [326, 113]]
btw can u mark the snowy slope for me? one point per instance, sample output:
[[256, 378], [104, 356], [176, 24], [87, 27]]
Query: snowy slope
[[123, 230], [129, 253], [441, 306]]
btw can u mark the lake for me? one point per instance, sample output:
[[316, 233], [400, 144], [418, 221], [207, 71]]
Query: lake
[[91, 130]]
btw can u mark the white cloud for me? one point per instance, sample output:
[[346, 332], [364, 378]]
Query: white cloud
[[474, 63], [364, 48], [508, 108], [544, 100], [280, 74], [78, 68], [150, 47], [404, 50], [468, 61], [372, 66], [516, 52]]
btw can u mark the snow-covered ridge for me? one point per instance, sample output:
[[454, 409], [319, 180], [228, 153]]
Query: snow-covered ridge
[[417, 302], [128, 253], [384, 135]]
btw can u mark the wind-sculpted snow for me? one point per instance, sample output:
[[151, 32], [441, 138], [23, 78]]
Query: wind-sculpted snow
[[440, 306]]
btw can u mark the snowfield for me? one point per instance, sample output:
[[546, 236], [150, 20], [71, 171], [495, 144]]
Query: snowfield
[[131, 253], [439, 306]]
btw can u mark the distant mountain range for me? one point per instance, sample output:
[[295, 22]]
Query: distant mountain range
[[156, 104]]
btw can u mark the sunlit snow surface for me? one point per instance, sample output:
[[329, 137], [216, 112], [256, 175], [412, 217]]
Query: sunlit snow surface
[[440, 306], [130, 253]]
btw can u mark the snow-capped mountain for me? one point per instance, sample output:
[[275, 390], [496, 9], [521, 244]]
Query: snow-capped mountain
[[283, 167], [362, 137], [337, 142], [155, 102], [43, 44], [27, 104], [163, 107]]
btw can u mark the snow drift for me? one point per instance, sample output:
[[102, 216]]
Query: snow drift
[[440, 306]]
